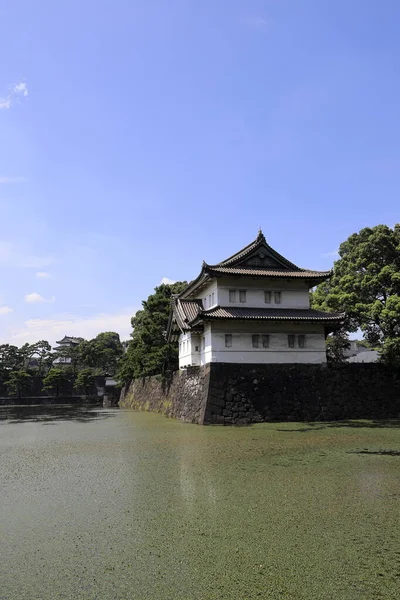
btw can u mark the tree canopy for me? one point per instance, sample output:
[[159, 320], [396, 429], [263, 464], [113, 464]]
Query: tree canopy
[[102, 353], [55, 381], [148, 352], [366, 285]]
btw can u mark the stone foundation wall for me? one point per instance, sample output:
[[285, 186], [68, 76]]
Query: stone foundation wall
[[238, 394], [183, 396]]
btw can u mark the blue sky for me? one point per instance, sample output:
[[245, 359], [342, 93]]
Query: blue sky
[[140, 137]]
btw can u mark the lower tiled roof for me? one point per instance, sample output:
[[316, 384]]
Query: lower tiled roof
[[274, 314], [190, 308]]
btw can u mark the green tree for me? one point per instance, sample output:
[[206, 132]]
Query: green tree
[[42, 352], [18, 382], [336, 343], [55, 381], [390, 352], [366, 284], [148, 352], [84, 381], [102, 353], [11, 358]]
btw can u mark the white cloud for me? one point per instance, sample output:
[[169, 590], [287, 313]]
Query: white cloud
[[167, 281], [43, 275], [20, 88], [35, 298], [55, 328], [7, 179], [16, 91], [4, 310]]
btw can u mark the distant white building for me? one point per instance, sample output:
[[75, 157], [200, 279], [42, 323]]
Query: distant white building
[[360, 354], [64, 344], [253, 307]]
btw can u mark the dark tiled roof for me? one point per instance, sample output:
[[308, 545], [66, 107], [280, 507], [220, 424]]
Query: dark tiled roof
[[275, 265], [191, 308], [258, 242], [182, 313], [69, 339], [300, 274], [272, 314]]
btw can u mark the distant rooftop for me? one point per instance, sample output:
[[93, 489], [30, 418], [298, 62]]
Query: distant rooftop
[[69, 339]]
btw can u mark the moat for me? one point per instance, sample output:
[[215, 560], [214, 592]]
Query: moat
[[100, 504]]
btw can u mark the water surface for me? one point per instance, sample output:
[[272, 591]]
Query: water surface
[[114, 504]]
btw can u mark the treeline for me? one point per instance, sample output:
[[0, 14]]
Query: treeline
[[60, 366], [365, 284]]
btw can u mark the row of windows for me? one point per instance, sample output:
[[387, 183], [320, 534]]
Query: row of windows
[[262, 341], [241, 295], [269, 297], [209, 300]]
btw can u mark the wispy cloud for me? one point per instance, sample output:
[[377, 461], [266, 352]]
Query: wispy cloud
[[16, 92], [167, 281], [4, 310], [35, 298], [58, 326], [333, 254], [35, 262], [4, 179], [11, 255], [257, 22], [43, 275]]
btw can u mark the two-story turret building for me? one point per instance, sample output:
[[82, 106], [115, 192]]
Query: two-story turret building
[[253, 307]]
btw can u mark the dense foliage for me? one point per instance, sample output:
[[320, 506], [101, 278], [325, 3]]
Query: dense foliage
[[148, 352], [84, 381], [18, 382], [55, 381], [366, 285], [102, 353]]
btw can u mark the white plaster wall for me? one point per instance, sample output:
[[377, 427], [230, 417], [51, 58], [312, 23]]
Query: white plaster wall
[[206, 292], [188, 355], [242, 350], [294, 294], [206, 346]]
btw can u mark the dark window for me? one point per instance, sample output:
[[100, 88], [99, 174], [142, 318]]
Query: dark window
[[302, 341], [232, 295], [255, 338], [267, 297], [277, 297], [291, 341], [242, 295], [228, 340], [265, 341]]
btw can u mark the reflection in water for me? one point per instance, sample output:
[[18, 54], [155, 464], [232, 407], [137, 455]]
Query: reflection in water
[[196, 482], [56, 412]]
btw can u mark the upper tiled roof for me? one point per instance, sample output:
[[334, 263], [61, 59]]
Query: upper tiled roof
[[260, 241], [301, 273], [274, 314], [257, 259]]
